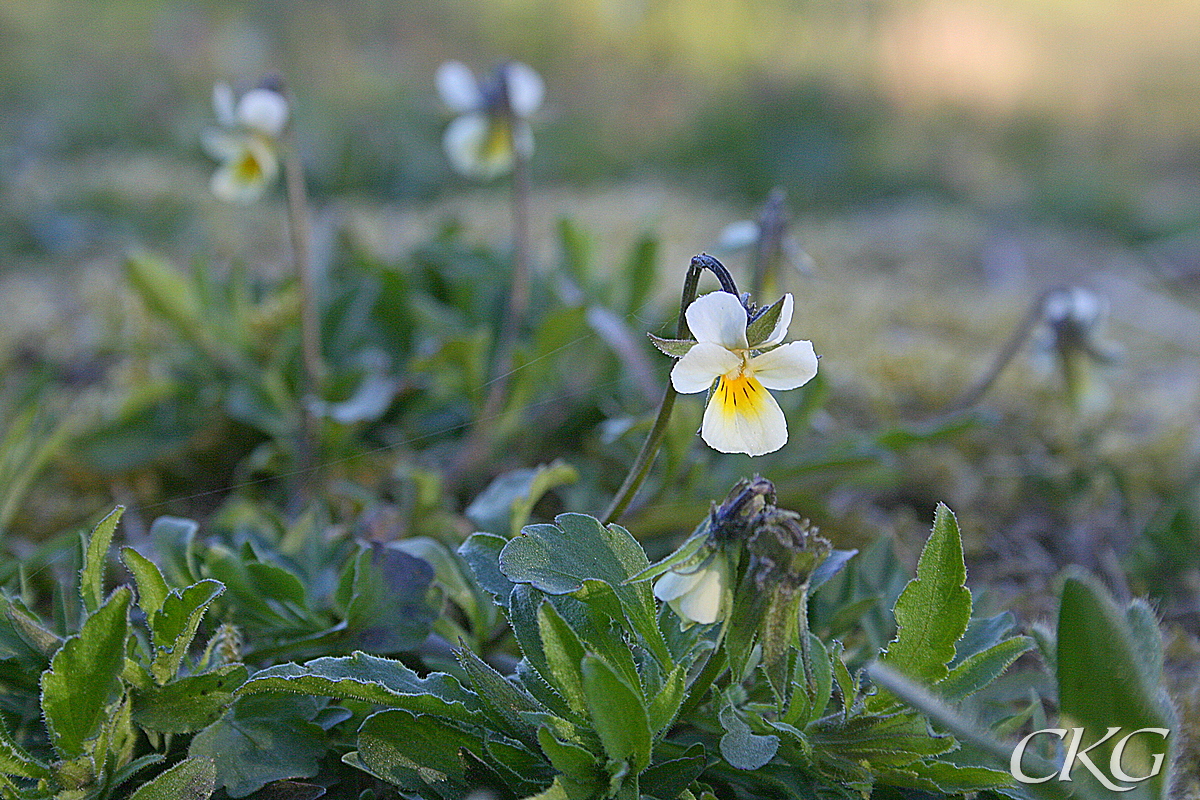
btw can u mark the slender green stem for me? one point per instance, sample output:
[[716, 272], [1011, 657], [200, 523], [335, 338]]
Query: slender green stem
[[645, 457], [478, 441]]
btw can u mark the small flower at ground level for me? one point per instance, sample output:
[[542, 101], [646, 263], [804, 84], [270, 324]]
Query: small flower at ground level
[[493, 129], [742, 416], [1070, 336], [699, 595], [247, 145]]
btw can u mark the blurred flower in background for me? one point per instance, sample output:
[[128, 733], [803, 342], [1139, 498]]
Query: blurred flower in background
[[247, 143], [1070, 335], [493, 129]]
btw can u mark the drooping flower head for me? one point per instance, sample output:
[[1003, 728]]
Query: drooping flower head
[[741, 416], [247, 142], [493, 128], [1072, 319]]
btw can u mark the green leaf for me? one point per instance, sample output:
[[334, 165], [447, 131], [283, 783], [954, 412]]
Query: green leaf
[[263, 739], [641, 272], [481, 551], [558, 558], [577, 763], [84, 677], [418, 753], [666, 780], [945, 778], [891, 740], [980, 669], [151, 587], [174, 626], [503, 508], [388, 611], [190, 703], [1106, 676], [190, 779], [675, 348], [564, 654], [664, 705], [15, 760], [91, 577], [740, 746], [934, 609], [505, 699], [371, 679], [618, 715], [758, 331]]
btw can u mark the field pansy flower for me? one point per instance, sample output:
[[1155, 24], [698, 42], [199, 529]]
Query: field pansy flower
[[699, 595], [492, 129], [742, 416], [247, 144]]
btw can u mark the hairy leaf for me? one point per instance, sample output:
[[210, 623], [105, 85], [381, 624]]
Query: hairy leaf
[[91, 576], [934, 609], [190, 779], [84, 676]]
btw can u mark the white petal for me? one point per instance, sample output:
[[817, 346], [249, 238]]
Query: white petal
[[244, 177], [781, 324], [673, 585], [750, 422], [458, 87], [718, 317], [525, 88], [264, 111], [222, 146], [786, 367], [223, 104], [702, 365], [478, 147], [698, 597], [737, 235]]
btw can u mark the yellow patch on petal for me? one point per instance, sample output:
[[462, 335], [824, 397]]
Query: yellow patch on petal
[[497, 147], [740, 396], [248, 169]]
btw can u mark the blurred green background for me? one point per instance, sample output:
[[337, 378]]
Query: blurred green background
[[1081, 112]]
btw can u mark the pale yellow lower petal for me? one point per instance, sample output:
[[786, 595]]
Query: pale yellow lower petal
[[742, 417]]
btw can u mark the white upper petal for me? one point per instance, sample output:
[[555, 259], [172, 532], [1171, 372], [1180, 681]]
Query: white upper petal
[[718, 317], [781, 325], [786, 367], [525, 88], [698, 596], [466, 143], [702, 365], [223, 105], [763, 430], [264, 111], [458, 87], [673, 584], [737, 235]]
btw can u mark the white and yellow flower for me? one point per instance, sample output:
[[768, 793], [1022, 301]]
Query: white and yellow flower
[[247, 145], [700, 594], [742, 416], [493, 129]]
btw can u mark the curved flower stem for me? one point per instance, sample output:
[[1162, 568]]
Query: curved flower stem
[[1002, 360], [645, 458]]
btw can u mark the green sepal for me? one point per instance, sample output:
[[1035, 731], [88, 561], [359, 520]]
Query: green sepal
[[675, 348]]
